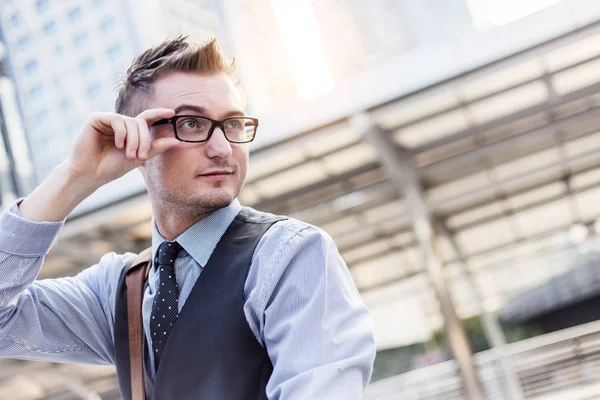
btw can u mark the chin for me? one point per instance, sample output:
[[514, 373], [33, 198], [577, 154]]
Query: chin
[[215, 198], [192, 199]]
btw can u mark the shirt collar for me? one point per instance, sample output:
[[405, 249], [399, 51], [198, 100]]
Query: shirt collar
[[200, 239]]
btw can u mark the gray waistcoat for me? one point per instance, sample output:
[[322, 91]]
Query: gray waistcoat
[[211, 353]]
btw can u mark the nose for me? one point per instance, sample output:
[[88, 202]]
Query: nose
[[218, 146]]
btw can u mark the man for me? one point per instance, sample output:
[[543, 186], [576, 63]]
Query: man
[[239, 304]]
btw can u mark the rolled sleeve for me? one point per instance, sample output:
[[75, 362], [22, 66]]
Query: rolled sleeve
[[20, 236], [67, 319]]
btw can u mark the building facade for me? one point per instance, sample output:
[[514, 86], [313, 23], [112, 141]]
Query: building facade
[[66, 58]]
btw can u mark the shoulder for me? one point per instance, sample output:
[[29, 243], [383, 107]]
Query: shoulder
[[283, 228], [104, 276], [299, 230], [103, 279], [289, 236]]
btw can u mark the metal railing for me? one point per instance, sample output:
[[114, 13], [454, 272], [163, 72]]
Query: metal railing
[[546, 365]]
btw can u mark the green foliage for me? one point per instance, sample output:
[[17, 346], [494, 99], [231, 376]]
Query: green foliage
[[400, 360], [395, 361]]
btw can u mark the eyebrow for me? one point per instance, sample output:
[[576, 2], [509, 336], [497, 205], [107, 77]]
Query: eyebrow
[[203, 111]]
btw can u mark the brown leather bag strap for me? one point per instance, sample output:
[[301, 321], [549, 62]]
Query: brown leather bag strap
[[137, 275]]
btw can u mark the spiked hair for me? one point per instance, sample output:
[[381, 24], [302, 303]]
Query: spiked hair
[[179, 54]]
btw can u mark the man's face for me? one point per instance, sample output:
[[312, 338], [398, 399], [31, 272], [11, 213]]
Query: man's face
[[196, 177]]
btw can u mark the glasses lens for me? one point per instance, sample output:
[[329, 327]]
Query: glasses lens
[[240, 129], [193, 128]]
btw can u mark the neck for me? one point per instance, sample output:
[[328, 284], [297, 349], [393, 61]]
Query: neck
[[172, 224]]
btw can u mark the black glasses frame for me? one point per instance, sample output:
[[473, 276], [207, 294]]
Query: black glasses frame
[[214, 123]]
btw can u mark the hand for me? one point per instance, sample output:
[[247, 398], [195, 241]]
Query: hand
[[109, 145]]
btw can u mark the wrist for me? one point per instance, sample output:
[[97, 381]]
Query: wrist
[[57, 195], [79, 183]]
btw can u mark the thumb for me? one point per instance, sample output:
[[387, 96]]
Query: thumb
[[161, 145]]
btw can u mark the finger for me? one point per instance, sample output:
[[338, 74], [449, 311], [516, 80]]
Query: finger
[[132, 138], [110, 124], [119, 129], [154, 114], [161, 145], [144, 145]]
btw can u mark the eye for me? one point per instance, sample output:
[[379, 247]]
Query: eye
[[190, 123], [234, 124]]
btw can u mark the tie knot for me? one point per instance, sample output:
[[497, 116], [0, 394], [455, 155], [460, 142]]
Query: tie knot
[[167, 252]]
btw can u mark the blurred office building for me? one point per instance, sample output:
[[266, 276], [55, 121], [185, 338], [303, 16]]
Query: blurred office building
[[195, 18], [66, 58], [16, 172], [259, 48], [155, 20]]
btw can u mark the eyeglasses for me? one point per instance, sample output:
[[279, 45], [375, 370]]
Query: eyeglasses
[[195, 129]]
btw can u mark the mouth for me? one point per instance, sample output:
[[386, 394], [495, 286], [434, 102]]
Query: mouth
[[216, 174]]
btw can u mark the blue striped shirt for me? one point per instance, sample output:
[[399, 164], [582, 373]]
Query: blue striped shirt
[[300, 303]]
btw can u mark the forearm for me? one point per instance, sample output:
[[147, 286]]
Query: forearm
[[107, 147], [56, 196], [60, 320], [23, 245]]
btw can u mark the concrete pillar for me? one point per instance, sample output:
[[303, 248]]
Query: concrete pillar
[[404, 177], [493, 330]]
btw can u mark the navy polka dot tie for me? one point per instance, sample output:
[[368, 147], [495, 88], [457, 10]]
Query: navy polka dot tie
[[164, 308]]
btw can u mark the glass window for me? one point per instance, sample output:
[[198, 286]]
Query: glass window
[[42, 116], [42, 5], [108, 25], [93, 91], [87, 65], [488, 14], [81, 40], [31, 67], [75, 14], [50, 28], [36, 91], [16, 20], [74, 129], [114, 52], [24, 43]]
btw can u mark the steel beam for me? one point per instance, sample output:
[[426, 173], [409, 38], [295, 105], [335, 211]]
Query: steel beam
[[278, 200], [403, 175], [492, 329], [308, 158], [474, 224], [437, 204], [442, 166], [579, 94], [510, 143]]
